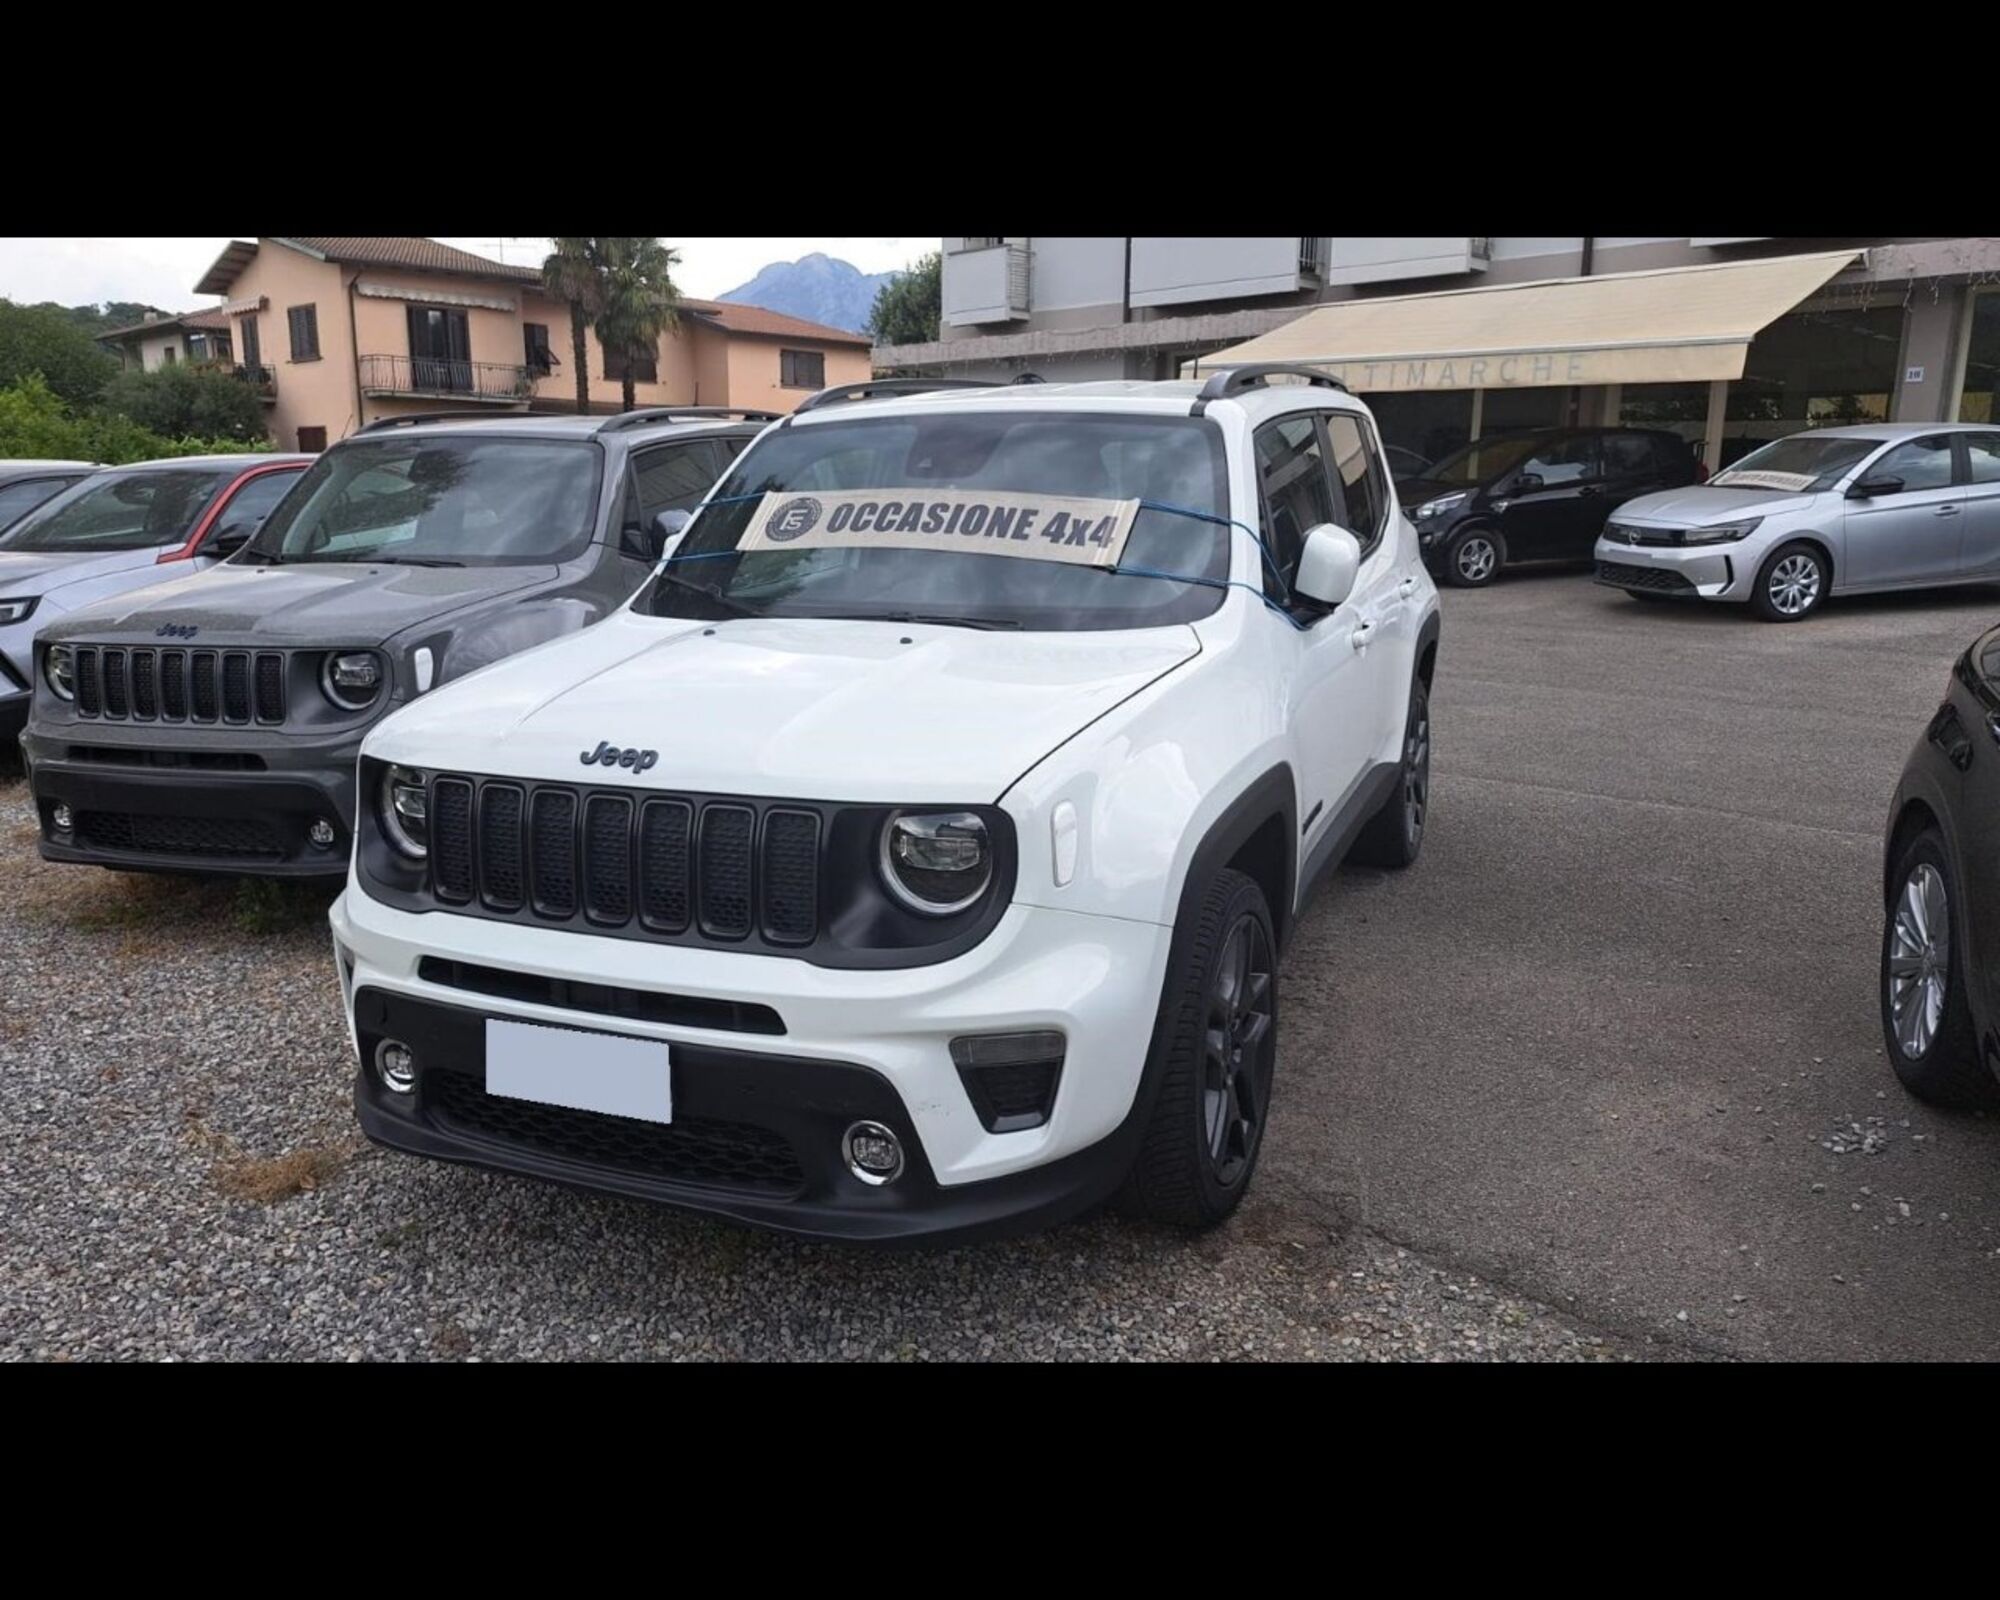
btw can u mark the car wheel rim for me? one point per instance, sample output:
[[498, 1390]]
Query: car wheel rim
[[1794, 585], [1476, 558], [1237, 1048], [1417, 772], [1919, 960]]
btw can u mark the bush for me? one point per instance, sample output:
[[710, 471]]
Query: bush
[[43, 339], [183, 400], [35, 422]]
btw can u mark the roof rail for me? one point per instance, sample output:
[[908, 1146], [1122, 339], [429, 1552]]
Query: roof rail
[[649, 414], [875, 386], [1228, 384], [416, 418]]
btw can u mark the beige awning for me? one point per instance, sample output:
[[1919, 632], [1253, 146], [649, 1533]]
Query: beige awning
[[378, 290], [1676, 325]]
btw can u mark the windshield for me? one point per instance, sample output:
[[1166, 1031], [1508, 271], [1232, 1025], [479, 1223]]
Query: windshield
[[1173, 461], [123, 511], [1482, 460], [438, 502], [1802, 464]]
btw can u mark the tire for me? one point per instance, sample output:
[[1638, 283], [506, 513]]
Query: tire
[[1929, 1039], [1197, 1156], [1473, 558], [1394, 835], [1800, 575]]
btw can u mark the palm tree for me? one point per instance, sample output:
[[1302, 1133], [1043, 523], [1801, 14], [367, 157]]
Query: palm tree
[[638, 301], [574, 275]]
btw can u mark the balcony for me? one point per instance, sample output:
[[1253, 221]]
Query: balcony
[[436, 378], [986, 285], [261, 378]]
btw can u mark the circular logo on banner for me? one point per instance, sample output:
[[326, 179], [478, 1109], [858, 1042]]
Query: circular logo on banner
[[793, 520]]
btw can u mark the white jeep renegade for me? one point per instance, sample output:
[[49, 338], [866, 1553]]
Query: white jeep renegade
[[913, 853]]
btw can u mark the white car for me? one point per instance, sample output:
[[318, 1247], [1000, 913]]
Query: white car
[[1894, 505], [913, 853]]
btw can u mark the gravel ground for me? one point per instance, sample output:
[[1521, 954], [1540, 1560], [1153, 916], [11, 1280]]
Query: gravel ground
[[183, 1180]]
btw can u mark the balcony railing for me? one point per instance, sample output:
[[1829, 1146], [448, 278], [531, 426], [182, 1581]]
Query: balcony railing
[[498, 381], [261, 378]]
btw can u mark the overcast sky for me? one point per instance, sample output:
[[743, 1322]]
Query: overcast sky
[[163, 272]]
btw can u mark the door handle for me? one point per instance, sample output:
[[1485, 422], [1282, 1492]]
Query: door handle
[[1407, 587], [1589, 489], [1947, 511], [1361, 636]]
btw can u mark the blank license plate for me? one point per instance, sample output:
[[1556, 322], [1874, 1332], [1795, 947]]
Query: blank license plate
[[583, 1071]]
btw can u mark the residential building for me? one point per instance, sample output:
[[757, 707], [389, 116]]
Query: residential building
[[198, 337], [355, 329], [1726, 340]]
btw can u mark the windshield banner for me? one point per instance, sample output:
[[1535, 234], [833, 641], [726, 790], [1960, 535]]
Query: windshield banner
[[1795, 482], [1090, 533]]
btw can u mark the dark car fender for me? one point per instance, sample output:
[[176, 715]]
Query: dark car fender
[[506, 628]]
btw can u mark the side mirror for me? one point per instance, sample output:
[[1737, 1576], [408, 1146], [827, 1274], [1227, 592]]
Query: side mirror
[[229, 539], [1868, 488], [665, 533], [1526, 482], [1327, 566]]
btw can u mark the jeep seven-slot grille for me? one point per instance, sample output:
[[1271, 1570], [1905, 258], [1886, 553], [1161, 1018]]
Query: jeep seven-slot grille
[[664, 863], [148, 685]]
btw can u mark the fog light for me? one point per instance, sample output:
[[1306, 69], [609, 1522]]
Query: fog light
[[321, 833], [396, 1064], [62, 818], [874, 1153]]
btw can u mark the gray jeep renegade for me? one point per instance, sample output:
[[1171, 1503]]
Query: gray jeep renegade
[[212, 724]]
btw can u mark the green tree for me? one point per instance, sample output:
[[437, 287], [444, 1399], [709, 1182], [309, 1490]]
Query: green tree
[[572, 275], [34, 422], [43, 339], [639, 302], [909, 306], [210, 402]]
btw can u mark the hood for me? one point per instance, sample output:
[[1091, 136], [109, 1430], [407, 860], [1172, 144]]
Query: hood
[[1413, 492], [1697, 504], [814, 709], [25, 572], [310, 603]]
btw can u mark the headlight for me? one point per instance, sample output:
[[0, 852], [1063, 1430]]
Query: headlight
[[1721, 532], [1439, 506], [18, 610], [405, 812], [59, 668], [351, 681], [936, 862]]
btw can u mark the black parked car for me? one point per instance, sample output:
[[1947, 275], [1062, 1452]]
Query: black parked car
[[1940, 978], [1541, 496]]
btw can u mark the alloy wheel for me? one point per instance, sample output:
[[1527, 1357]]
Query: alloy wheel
[[1417, 770], [1477, 558], [1794, 585], [1238, 1046], [1919, 960]]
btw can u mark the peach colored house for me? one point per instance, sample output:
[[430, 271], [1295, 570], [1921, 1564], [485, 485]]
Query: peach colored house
[[353, 330]]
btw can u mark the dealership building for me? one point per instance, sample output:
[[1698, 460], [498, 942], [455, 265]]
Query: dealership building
[[1728, 342]]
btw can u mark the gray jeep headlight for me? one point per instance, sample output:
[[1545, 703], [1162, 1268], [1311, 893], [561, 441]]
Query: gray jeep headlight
[[936, 862], [59, 669], [351, 679]]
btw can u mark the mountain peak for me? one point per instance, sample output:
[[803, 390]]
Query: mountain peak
[[818, 287]]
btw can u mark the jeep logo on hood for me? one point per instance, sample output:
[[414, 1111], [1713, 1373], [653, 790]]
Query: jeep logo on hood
[[175, 630], [609, 755]]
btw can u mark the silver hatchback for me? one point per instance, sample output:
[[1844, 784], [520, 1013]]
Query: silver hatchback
[[1901, 505]]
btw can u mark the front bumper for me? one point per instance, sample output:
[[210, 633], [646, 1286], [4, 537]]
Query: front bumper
[[855, 1044], [1703, 572], [152, 799]]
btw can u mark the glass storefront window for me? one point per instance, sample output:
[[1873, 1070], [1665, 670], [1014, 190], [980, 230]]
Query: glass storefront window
[[1511, 410], [1418, 429], [1679, 408], [1979, 400], [1813, 369]]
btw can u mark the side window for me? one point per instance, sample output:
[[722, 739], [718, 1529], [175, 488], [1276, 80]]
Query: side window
[[674, 478], [1358, 477], [1630, 455], [18, 499], [1567, 458], [256, 500], [1921, 464], [1982, 452], [1291, 471]]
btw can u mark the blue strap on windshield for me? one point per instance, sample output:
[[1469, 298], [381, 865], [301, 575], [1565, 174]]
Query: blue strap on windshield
[[1122, 569]]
